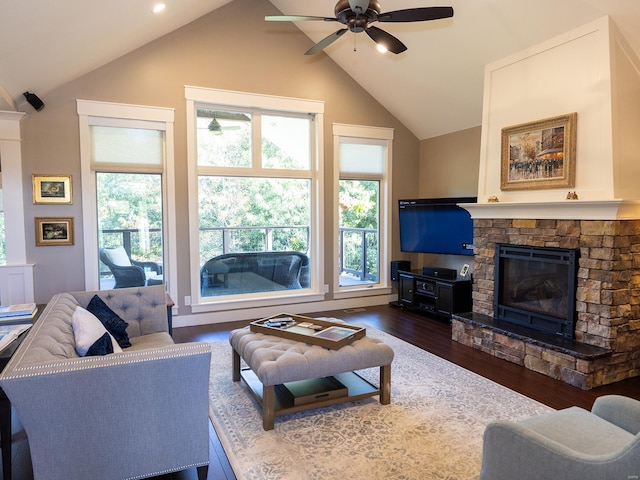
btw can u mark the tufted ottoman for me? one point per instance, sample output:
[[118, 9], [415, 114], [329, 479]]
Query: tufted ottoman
[[274, 360]]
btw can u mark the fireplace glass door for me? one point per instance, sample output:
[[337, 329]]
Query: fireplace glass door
[[535, 287]]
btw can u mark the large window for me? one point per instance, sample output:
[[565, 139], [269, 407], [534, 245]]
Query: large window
[[3, 247], [363, 179], [254, 175], [127, 168]]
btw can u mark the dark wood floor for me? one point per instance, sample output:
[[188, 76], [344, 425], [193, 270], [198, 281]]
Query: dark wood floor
[[433, 336]]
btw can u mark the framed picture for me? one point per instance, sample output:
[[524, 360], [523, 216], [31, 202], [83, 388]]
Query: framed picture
[[54, 231], [52, 189], [539, 154]]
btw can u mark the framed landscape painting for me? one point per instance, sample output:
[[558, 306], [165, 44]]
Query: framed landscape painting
[[54, 189], [54, 231], [539, 154]]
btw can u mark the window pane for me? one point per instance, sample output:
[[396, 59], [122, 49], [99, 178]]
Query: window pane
[[120, 145], [3, 245], [361, 157], [285, 142], [359, 227], [240, 214], [224, 138], [130, 216]]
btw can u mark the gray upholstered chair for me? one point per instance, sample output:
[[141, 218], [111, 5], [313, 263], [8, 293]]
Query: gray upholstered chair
[[128, 272], [570, 444]]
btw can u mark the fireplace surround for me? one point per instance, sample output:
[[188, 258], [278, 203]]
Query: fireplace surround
[[605, 347]]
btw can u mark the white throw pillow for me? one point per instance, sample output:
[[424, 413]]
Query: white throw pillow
[[87, 330]]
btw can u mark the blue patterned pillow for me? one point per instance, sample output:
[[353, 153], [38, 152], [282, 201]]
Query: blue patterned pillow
[[90, 335], [115, 325]]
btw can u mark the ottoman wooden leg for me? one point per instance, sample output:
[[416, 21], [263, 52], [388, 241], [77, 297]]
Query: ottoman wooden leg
[[268, 406], [235, 373], [385, 384]]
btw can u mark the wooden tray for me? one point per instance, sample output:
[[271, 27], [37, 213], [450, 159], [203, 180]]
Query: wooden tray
[[303, 392], [334, 335]]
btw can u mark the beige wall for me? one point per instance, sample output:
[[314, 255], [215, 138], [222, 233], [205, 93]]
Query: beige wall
[[234, 49], [449, 168], [449, 164]]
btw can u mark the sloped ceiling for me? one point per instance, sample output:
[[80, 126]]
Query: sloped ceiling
[[433, 88]]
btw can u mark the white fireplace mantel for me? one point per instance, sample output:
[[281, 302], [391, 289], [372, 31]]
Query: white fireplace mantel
[[567, 210]]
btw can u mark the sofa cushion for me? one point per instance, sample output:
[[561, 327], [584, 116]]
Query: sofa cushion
[[580, 431], [115, 325], [118, 256], [91, 336]]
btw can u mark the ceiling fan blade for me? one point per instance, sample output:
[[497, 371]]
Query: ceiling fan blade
[[325, 42], [296, 18], [385, 39], [416, 14]]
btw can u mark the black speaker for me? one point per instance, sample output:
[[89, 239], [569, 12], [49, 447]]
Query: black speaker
[[448, 273], [34, 100], [399, 265]]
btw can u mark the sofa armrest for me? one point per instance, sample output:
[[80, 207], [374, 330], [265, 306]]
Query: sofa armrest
[[511, 450], [131, 414], [621, 411]]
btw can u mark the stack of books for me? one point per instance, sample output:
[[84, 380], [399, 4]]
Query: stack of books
[[18, 313]]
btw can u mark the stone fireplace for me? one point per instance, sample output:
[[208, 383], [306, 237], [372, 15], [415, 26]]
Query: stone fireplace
[[600, 216], [605, 347]]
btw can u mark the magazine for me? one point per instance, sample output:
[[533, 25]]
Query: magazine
[[8, 333], [17, 310], [6, 319]]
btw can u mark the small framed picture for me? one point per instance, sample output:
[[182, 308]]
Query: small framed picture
[[54, 231], [54, 189]]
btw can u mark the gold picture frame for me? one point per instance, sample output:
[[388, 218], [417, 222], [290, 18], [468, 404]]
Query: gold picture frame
[[539, 154], [52, 189], [54, 231]]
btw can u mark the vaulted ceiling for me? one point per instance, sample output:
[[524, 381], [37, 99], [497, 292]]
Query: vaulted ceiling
[[435, 87]]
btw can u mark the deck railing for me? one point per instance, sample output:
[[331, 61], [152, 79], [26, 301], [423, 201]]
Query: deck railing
[[358, 246]]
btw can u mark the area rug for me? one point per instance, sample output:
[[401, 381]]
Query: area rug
[[431, 430]]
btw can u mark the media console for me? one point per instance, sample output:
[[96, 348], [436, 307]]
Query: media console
[[441, 297]]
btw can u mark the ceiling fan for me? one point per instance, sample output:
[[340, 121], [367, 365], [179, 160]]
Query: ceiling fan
[[358, 15]]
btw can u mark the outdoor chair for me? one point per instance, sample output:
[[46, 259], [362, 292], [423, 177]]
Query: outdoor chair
[[128, 272]]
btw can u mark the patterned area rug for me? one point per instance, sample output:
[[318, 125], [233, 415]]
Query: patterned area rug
[[431, 430]]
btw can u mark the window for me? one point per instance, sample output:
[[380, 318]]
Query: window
[[3, 247], [363, 180], [254, 198], [127, 170]]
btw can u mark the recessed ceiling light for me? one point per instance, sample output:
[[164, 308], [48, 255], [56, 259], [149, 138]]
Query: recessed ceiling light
[[159, 7]]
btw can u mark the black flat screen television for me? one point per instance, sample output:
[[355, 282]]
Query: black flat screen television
[[436, 225]]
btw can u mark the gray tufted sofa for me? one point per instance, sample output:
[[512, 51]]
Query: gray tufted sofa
[[135, 414]]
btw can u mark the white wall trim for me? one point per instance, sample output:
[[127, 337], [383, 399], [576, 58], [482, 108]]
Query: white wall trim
[[302, 308]]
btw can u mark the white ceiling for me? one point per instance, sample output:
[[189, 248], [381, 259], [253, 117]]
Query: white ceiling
[[435, 87]]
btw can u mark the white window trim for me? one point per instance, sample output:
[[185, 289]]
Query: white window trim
[[92, 112], [197, 96], [375, 133], [14, 218]]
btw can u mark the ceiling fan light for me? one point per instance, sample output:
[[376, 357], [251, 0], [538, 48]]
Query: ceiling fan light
[[215, 127], [381, 48]]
